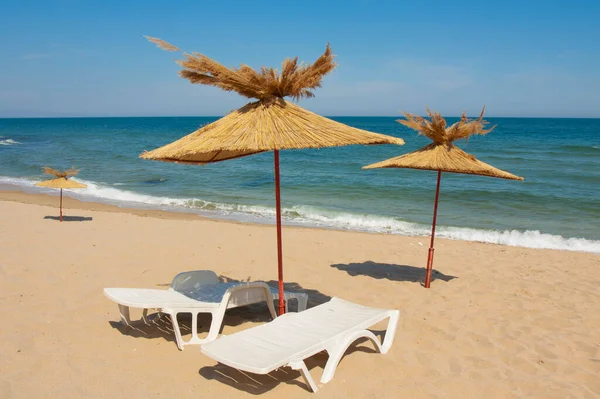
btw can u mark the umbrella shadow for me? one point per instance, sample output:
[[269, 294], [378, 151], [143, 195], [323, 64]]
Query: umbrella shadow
[[258, 384], [391, 272], [315, 297], [70, 218]]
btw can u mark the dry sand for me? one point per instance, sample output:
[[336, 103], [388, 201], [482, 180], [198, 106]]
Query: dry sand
[[498, 322]]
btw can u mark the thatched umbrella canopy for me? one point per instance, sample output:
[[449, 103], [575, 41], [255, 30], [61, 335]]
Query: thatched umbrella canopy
[[269, 124], [443, 156], [61, 181]]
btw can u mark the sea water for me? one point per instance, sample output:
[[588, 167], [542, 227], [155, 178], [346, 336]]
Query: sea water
[[556, 206]]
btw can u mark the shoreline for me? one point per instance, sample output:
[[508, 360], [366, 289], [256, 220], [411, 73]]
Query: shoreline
[[17, 194], [49, 200]]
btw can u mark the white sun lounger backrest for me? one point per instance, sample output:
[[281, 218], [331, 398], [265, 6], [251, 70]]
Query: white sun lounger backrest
[[193, 279]]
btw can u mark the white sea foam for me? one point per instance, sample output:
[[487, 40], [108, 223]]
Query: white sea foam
[[8, 142], [315, 217], [116, 196], [528, 239], [17, 181], [97, 192], [380, 224]]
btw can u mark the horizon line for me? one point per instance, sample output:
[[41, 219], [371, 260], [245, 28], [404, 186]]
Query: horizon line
[[327, 116]]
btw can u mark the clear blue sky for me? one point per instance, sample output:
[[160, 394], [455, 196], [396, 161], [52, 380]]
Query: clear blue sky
[[88, 58]]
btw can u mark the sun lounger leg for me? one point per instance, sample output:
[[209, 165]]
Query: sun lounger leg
[[390, 331], [215, 325], [176, 330], [124, 312], [301, 366], [336, 353], [194, 327]]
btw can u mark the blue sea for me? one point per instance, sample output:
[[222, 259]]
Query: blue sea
[[556, 206]]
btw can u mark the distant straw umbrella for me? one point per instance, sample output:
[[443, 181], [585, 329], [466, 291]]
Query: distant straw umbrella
[[443, 156], [62, 181], [269, 124]]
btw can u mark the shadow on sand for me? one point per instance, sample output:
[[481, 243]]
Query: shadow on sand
[[390, 271], [160, 326], [314, 297], [70, 218], [257, 384]]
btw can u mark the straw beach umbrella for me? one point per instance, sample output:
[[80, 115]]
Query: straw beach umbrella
[[62, 181], [269, 124], [443, 156]]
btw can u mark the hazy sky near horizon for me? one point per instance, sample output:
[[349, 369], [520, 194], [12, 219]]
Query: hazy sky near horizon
[[519, 58]]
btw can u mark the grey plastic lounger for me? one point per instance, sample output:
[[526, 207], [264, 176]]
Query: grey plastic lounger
[[290, 339], [198, 292]]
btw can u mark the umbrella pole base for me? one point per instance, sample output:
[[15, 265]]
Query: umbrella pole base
[[429, 268], [282, 309]]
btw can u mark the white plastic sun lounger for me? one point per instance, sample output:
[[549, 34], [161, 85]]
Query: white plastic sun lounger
[[293, 337], [198, 292]]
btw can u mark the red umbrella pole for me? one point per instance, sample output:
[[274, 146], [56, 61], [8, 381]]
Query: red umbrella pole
[[430, 255], [279, 245], [61, 204]]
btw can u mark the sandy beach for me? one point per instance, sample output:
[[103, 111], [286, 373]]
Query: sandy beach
[[498, 321]]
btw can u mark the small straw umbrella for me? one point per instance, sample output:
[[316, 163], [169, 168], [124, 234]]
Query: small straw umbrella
[[269, 124], [62, 181], [443, 156]]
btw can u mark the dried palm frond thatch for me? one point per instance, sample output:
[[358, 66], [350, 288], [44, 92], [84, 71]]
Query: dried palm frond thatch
[[442, 154], [62, 179], [271, 123], [162, 44], [295, 79], [256, 128], [437, 131], [65, 173]]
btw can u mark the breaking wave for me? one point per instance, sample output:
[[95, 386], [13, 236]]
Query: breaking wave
[[313, 217], [8, 141]]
